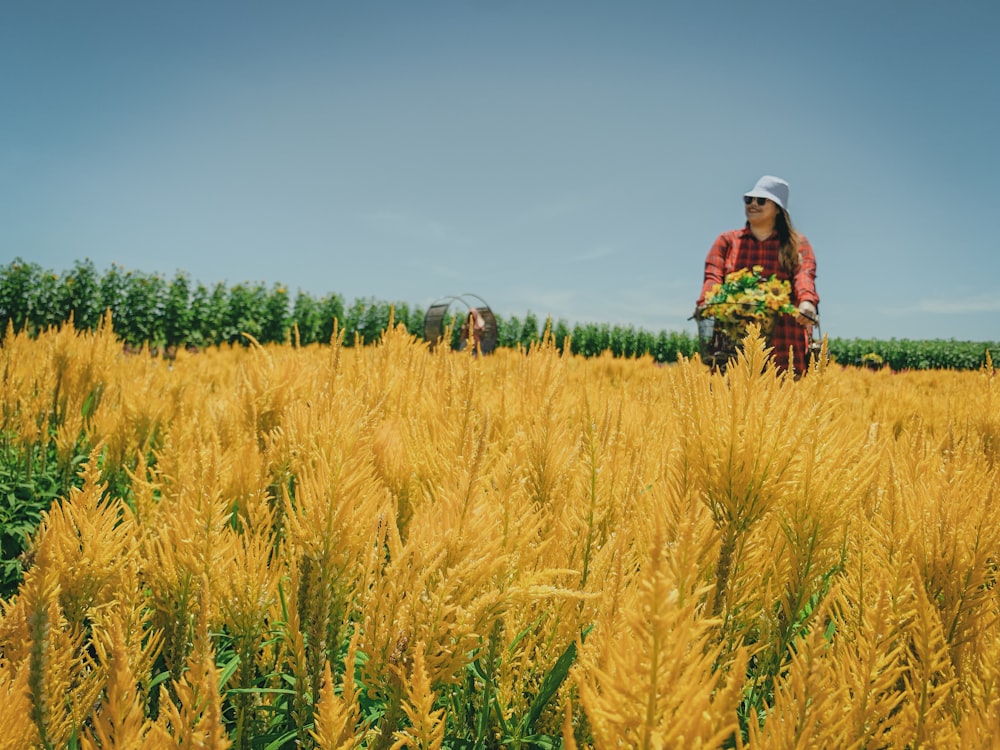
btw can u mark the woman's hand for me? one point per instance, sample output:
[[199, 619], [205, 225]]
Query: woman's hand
[[807, 313]]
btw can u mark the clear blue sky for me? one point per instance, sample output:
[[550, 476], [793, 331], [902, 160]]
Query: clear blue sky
[[573, 159]]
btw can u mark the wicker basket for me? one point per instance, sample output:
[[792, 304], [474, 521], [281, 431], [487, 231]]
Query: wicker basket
[[718, 340]]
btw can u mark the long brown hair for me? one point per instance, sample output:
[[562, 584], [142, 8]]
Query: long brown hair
[[788, 253]]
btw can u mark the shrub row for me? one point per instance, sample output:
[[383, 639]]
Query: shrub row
[[150, 310]]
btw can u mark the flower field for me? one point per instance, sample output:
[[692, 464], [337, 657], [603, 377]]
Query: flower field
[[382, 547]]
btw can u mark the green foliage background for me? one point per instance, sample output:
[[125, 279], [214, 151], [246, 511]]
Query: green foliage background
[[148, 310]]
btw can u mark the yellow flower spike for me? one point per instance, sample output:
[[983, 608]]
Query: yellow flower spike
[[491, 508]]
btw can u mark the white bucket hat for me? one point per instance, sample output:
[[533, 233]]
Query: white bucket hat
[[771, 187]]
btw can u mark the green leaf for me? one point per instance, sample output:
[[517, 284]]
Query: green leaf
[[161, 677], [551, 682], [476, 667], [228, 671], [831, 628], [278, 743], [543, 741], [520, 636], [260, 691]]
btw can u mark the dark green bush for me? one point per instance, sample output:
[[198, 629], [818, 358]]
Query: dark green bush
[[147, 310]]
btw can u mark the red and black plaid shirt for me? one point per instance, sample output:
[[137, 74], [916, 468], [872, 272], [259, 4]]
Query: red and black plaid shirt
[[740, 249]]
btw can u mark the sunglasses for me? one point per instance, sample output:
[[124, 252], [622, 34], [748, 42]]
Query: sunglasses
[[748, 199]]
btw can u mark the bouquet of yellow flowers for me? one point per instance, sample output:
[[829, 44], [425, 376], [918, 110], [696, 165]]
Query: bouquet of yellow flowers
[[745, 297]]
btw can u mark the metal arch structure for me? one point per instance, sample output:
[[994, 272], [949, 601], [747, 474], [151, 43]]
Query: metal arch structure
[[437, 314]]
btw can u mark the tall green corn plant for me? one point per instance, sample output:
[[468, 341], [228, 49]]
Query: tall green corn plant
[[78, 296], [366, 319], [43, 302], [509, 331], [209, 312], [145, 295], [306, 319], [111, 289], [331, 312], [590, 339], [560, 332], [906, 354], [624, 341], [529, 331], [177, 311], [354, 321], [275, 324], [17, 284], [411, 317], [668, 346], [246, 312]]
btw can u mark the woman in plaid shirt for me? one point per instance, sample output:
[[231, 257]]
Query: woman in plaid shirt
[[768, 239]]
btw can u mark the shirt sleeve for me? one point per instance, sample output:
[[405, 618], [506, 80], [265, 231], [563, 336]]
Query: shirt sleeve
[[804, 284], [715, 265]]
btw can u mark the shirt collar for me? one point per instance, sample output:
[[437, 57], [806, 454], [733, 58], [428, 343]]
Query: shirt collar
[[748, 233]]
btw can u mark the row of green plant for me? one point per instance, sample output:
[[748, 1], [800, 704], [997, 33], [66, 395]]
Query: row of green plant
[[149, 310], [164, 314], [910, 354]]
